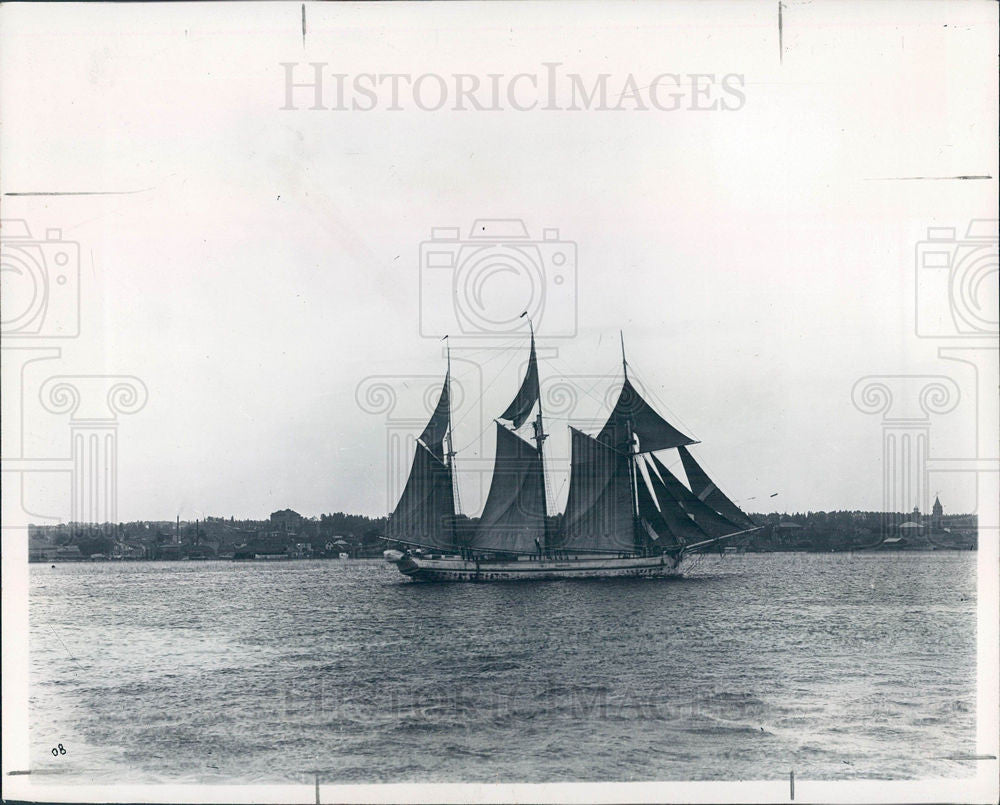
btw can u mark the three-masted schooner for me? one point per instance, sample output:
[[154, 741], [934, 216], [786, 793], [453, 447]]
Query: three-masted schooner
[[626, 514]]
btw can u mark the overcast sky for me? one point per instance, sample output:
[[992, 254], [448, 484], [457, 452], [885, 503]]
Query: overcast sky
[[266, 263]]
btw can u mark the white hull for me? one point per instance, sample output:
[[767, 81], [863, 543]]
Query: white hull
[[455, 568]]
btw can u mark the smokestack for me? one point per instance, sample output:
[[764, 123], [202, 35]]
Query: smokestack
[[177, 531]]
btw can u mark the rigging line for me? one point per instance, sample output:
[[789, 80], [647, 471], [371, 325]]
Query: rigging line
[[564, 419], [709, 469], [496, 354], [547, 486], [478, 364], [651, 390], [503, 346], [677, 457], [561, 487], [567, 377], [588, 392], [486, 388], [476, 439]]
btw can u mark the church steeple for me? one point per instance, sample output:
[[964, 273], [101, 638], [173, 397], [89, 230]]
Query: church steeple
[[937, 510]]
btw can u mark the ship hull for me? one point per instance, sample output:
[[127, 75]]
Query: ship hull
[[455, 568]]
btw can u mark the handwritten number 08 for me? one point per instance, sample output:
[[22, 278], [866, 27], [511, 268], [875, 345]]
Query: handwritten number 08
[[58, 750]]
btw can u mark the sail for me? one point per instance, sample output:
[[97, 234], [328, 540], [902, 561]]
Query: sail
[[513, 518], [598, 513], [437, 427], [708, 520], [653, 522], [707, 492], [426, 510], [654, 432], [519, 410], [683, 528], [425, 513]]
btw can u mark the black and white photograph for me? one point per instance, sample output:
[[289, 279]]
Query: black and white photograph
[[554, 402]]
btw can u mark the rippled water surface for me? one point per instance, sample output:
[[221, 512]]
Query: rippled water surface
[[836, 665]]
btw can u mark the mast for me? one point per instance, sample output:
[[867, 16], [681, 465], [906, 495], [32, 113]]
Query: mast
[[540, 437], [632, 479], [450, 452], [516, 508]]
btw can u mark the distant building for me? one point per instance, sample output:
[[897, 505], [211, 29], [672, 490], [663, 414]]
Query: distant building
[[302, 550], [267, 546], [937, 513], [338, 546], [286, 520], [169, 552], [130, 550], [201, 551], [43, 553], [788, 532]]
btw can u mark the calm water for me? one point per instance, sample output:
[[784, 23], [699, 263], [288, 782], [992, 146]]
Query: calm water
[[835, 665]]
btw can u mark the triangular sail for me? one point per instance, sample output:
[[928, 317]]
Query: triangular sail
[[513, 518], [710, 521], [437, 426], [653, 522], [425, 514], [707, 492], [598, 513], [680, 524], [520, 408], [631, 410]]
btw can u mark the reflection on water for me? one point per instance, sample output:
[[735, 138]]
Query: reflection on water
[[841, 666]]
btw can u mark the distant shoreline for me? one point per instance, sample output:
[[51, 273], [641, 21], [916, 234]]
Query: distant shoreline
[[286, 559], [287, 535]]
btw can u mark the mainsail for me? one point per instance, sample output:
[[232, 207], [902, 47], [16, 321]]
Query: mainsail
[[633, 412], [425, 513], [707, 492], [707, 519], [599, 509], [437, 427], [514, 516], [520, 408]]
